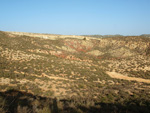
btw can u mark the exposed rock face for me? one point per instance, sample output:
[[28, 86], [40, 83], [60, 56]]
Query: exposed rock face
[[95, 53], [46, 36], [78, 45]]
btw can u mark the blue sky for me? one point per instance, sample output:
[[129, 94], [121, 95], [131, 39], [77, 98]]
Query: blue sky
[[76, 17]]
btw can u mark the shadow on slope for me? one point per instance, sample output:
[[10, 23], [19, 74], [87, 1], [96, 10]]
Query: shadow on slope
[[14, 101]]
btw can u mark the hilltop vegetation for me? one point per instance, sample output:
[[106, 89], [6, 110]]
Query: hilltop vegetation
[[71, 73]]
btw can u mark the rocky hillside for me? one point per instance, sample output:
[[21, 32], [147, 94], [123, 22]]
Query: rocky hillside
[[85, 70]]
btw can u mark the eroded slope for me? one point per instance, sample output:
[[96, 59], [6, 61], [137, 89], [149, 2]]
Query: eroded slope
[[75, 67]]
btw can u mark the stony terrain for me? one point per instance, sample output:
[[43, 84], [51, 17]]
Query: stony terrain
[[87, 70]]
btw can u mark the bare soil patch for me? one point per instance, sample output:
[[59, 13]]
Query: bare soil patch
[[120, 76]]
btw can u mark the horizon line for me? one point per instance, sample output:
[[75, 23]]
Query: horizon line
[[75, 35]]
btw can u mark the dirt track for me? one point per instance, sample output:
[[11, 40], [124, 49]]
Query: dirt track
[[120, 76]]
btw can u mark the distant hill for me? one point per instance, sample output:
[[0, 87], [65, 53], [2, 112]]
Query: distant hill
[[146, 35], [103, 36]]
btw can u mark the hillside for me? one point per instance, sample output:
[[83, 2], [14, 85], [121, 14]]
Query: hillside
[[86, 74]]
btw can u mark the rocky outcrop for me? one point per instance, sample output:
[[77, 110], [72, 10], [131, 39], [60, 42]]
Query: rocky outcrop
[[47, 36]]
